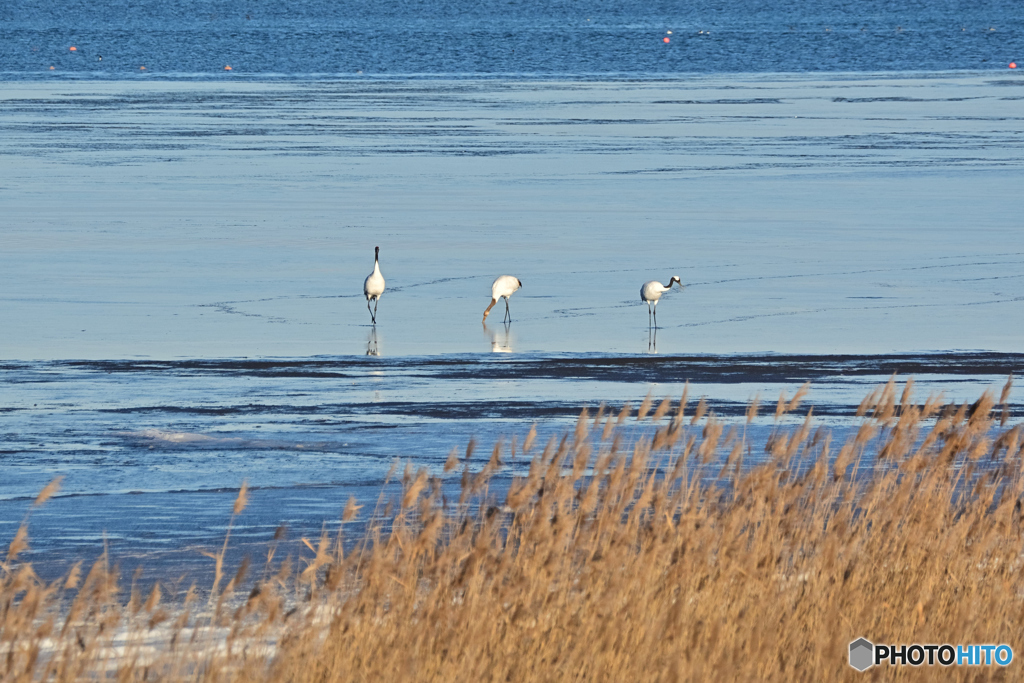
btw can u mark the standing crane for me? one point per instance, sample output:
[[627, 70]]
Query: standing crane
[[373, 285], [502, 288], [651, 293]]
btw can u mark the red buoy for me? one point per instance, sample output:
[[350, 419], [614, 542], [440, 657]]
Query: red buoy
[[1013, 65], [666, 39]]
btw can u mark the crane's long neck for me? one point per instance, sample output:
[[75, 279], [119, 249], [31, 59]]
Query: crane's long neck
[[494, 300]]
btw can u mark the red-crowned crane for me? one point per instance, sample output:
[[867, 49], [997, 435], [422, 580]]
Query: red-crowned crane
[[373, 285], [651, 293], [502, 288]]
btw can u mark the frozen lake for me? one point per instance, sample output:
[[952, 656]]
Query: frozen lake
[[181, 269], [853, 214]]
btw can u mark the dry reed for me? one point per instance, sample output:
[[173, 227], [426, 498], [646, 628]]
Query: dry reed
[[668, 560]]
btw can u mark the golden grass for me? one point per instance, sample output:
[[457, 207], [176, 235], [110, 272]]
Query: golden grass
[[659, 558]]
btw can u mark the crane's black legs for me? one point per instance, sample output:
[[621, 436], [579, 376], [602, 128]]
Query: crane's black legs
[[373, 313], [651, 311]]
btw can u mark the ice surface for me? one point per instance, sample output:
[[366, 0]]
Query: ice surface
[[805, 214]]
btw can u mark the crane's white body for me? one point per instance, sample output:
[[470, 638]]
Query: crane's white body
[[502, 288], [373, 286], [650, 293]]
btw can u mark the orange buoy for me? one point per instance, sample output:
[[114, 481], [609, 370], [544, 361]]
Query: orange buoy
[[1013, 65], [142, 68], [666, 39], [227, 68], [73, 48], [52, 68]]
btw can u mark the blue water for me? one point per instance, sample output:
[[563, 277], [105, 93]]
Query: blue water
[[305, 38], [153, 452]]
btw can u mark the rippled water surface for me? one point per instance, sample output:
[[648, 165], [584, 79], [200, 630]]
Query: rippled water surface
[[154, 451], [524, 38]]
